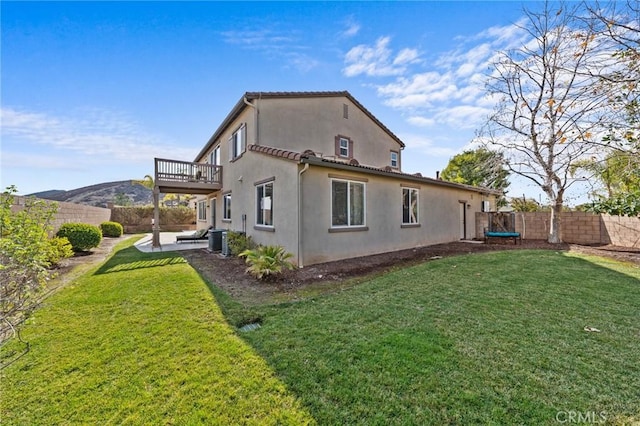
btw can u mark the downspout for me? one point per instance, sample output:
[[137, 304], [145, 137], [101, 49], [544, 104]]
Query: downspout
[[306, 167], [255, 120]]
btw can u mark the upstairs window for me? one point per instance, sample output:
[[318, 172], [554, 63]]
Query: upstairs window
[[238, 142], [216, 156], [344, 147], [394, 159]]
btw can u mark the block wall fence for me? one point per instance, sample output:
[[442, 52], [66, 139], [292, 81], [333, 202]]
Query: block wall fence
[[70, 212], [577, 228]]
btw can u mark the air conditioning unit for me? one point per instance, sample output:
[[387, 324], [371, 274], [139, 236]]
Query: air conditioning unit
[[486, 206], [226, 251]]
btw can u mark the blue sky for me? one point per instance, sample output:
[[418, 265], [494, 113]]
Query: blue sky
[[92, 92]]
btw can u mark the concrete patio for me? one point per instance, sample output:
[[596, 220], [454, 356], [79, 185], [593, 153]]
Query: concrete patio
[[168, 243]]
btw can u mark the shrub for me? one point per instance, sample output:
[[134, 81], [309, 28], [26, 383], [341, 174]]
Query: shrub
[[239, 242], [59, 248], [266, 261], [111, 229], [82, 236], [25, 257]]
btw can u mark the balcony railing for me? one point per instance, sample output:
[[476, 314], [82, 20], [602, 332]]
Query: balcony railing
[[173, 176]]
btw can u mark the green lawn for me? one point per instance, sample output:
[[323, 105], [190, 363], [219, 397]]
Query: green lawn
[[140, 340], [478, 339], [493, 338]]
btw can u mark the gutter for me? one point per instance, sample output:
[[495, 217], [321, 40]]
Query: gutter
[[255, 120], [300, 262], [378, 172]]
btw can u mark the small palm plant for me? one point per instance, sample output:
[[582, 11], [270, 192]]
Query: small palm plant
[[266, 261]]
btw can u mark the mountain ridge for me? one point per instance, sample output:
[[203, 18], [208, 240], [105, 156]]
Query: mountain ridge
[[101, 194]]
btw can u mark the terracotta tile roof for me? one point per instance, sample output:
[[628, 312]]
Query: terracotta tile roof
[[309, 157], [275, 152]]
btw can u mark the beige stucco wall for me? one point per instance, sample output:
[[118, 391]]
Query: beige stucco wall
[[439, 217], [241, 179], [298, 124]]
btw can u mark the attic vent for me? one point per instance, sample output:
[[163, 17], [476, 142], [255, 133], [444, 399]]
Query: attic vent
[[418, 174], [308, 153], [345, 111], [354, 162]]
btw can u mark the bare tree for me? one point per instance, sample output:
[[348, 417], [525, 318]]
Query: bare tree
[[550, 111]]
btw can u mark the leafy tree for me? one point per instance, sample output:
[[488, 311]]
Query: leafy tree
[[478, 167], [549, 106], [147, 182], [525, 205], [617, 169], [620, 205], [122, 199], [26, 254]]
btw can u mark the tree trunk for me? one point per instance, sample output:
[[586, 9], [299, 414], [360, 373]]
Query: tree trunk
[[555, 229]]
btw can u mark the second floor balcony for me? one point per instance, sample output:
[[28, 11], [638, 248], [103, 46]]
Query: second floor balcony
[[173, 176]]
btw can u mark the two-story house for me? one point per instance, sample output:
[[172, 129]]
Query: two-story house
[[318, 174]]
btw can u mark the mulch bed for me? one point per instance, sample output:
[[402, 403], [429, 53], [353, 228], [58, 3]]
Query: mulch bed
[[229, 273]]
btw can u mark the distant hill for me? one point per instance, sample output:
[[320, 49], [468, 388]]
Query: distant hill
[[102, 194]]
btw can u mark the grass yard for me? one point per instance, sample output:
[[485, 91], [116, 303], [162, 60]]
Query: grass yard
[[492, 338], [495, 338], [140, 340]]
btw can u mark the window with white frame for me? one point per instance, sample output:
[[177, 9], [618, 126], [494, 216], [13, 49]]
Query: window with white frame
[[347, 203], [226, 206], [409, 206], [215, 156], [238, 142], [264, 203], [202, 210], [394, 159], [344, 147]]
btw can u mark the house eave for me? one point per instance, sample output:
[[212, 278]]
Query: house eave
[[316, 161]]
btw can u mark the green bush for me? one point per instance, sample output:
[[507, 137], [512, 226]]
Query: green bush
[[266, 261], [82, 236], [111, 229], [59, 248], [239, 242]]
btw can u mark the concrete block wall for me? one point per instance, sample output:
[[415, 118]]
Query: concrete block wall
[[621, 230], [70, 212], [577, 228]]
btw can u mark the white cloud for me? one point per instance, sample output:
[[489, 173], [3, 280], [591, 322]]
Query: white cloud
[[463, 116], [421, 121], [353, 28], [378, 60], [425, 145], [450, 91], [277, 44], [95, 134], [419, 91]]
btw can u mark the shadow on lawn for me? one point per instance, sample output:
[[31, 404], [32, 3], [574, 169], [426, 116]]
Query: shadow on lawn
[[131, 258]]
